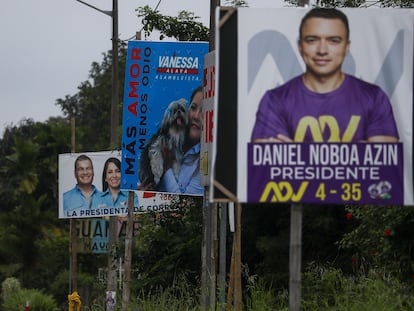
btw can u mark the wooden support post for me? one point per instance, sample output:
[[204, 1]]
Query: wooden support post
[[205, 259], [73, 282], [230, 290], [238, 303], [295, 257], [234, 293], [126, 288], [74, 258], [222, 255], [213, 255]]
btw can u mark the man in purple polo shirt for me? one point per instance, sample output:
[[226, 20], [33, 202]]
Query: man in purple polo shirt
[[324, 104]]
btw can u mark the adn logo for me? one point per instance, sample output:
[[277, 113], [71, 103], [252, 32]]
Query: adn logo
[[282, 192]]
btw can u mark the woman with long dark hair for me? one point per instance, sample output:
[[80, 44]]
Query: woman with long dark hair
[[112, 196], [188, 180]]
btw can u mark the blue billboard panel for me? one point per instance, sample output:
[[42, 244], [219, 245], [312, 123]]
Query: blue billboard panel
[[160, 78]]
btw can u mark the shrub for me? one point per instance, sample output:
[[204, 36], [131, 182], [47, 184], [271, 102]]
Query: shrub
[[37, 301], [9, 287], [90, 290], [382, 237]]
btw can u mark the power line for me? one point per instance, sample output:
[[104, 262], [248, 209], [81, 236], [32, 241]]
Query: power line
[[156, 7]]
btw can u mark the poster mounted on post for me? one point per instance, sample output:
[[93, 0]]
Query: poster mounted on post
[[161, 125], [84, 190], [209, 85], [293, 143], [87, 182], [93, 233]]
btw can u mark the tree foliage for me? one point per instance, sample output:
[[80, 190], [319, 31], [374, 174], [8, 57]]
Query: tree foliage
[[38, 300], [28, 190], [91, 106], [168, 245], [382, 237], [184, 27]]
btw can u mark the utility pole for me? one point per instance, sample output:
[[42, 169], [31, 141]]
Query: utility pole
[[113, 230], [114, 139], [73, 283], [126, 289], [115, 92], [209, 243]]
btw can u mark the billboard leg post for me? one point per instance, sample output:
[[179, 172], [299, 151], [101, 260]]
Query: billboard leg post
[[295, 256], [126, 289], [73, 286], [234, 293], [213, 254], [237, 261], [222, 254], [205, 253]]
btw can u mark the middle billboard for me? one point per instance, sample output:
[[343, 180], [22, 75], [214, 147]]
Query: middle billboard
[[161, 125]]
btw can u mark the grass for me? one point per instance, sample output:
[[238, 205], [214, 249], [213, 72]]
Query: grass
[[323, 289], [328, 289]]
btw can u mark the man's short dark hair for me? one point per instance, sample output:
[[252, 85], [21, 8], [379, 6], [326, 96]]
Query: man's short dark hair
[[83, 157], [329, 13]]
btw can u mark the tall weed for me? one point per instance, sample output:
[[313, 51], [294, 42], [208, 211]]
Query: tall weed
[[326, 288]]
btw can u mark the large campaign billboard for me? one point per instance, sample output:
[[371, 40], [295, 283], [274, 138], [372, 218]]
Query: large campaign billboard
[[355, 149], [161, 125]]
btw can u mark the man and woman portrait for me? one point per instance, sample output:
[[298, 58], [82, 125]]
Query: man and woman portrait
[[85, 196]]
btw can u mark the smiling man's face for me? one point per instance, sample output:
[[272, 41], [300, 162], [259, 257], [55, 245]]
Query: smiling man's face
[[323, 46], [84, 172]]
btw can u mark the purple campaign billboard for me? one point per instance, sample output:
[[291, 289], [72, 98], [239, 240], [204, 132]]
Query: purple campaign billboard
[[314, 108], [160, 79]]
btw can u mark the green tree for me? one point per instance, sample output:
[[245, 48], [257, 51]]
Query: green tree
[[168, 246], [92, 104], [34, 243], [28, 178], [382, 237], [184, 27]]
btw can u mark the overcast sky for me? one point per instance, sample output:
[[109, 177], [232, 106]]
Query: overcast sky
[[48, 47]]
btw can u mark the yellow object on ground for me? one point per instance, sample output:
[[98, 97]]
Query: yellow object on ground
[[74, 301]]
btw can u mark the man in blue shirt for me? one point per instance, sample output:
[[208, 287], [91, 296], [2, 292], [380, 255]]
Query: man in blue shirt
[[82, 195]]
